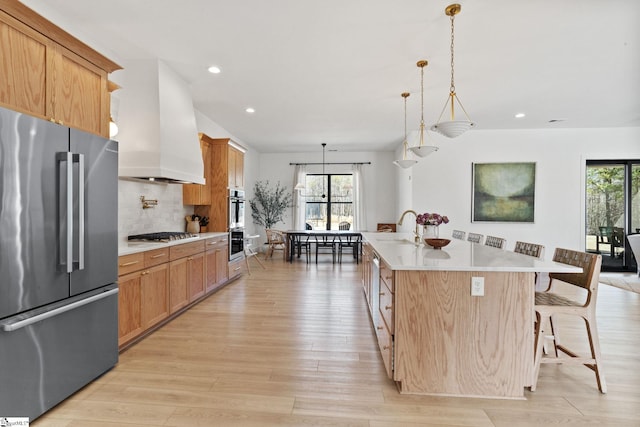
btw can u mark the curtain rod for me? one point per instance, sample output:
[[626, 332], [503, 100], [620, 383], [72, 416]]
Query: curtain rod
[[332, 163]]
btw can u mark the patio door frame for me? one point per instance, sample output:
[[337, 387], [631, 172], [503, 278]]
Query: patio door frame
[[628, 164]]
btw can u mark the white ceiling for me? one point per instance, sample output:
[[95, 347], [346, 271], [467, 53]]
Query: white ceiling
[[332, 71]]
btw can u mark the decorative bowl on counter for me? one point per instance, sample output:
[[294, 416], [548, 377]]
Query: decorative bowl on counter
[[436, 243]]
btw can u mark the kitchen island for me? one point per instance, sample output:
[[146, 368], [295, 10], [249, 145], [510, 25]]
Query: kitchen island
[[437, 338]]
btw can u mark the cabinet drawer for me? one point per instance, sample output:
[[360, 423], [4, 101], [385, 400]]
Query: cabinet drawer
[[386, 307], [155, 257], [385, 343], [386, 275], [236, 267], [130, 263], [186, 249], [216, 242]]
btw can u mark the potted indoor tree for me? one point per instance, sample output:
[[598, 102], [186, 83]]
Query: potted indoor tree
[[268, 207]]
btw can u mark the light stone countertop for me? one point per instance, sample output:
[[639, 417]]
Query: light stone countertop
[[127, 248], [400, 253]]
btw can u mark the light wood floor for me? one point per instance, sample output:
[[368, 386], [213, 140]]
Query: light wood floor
[[293, 346]]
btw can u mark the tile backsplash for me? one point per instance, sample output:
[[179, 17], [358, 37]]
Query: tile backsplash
[[168, 215]]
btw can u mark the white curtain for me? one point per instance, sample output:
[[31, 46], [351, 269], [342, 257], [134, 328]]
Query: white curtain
[[299, 177], [359, 216]]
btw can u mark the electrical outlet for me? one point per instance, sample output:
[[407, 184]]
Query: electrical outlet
[[477, 286]]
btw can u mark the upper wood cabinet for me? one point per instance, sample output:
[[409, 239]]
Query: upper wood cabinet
[[224, 169], [236, 168], [197, 194], [48, 73]]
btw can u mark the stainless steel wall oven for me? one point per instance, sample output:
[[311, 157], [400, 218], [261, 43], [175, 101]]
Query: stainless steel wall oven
[[236, 209], [236, 243]]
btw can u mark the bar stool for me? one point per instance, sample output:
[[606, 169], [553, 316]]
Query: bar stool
[[549, 304]]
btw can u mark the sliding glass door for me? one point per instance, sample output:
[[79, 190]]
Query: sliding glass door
[[612, 211]]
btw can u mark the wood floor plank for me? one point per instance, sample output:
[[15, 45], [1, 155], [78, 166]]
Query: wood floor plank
[[293, 345]]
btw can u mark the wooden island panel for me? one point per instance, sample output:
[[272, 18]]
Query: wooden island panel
[[451, 343]]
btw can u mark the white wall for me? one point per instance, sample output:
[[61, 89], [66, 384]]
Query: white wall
[[379, 179], [441, 182]]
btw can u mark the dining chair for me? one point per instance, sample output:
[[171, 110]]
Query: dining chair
[[496, 242], [344, 225], [351, 243], [549, 304], [275, 241], [458, 234], [475, 238], [326, 244], [302, 244]]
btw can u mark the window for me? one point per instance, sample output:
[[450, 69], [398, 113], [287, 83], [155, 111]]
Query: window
[[328, 193]]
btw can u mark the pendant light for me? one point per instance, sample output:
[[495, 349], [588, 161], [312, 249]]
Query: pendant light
[[405, 163], [453, 127], [421, 149], [324, 194]]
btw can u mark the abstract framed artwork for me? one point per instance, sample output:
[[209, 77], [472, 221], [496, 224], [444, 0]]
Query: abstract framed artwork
[[503, 192]]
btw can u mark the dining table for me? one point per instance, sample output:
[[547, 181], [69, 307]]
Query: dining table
[[294, 236]]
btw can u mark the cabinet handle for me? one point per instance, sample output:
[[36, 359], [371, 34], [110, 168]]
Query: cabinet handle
[[157, 256], [388, 307], [382, 294], [127, 264], [385, 347], [212, 243], [237, 268], [380, 328], [144, 273]]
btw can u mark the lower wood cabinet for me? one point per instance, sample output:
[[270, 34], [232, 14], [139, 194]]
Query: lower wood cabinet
[[217, 259], [143, 300], [154, 294], [179, 288], [157, 284]]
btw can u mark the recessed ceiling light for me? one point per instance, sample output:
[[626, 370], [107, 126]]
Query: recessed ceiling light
[[520, 115], [214, 69], [250, 110]]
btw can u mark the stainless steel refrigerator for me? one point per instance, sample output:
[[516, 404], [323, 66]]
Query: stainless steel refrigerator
[[58, 262]]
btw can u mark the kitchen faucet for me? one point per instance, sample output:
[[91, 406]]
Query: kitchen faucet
[[416, 238]]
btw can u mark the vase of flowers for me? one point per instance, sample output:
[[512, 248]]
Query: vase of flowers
[[430, 223]]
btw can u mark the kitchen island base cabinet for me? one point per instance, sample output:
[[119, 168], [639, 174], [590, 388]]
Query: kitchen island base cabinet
[[448, 342]]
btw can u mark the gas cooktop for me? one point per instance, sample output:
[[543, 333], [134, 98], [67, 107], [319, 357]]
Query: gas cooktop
[[163, 236]]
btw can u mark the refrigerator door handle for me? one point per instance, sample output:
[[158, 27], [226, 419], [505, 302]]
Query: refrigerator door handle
[[79, 158], [67, 258], [18, 324]]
